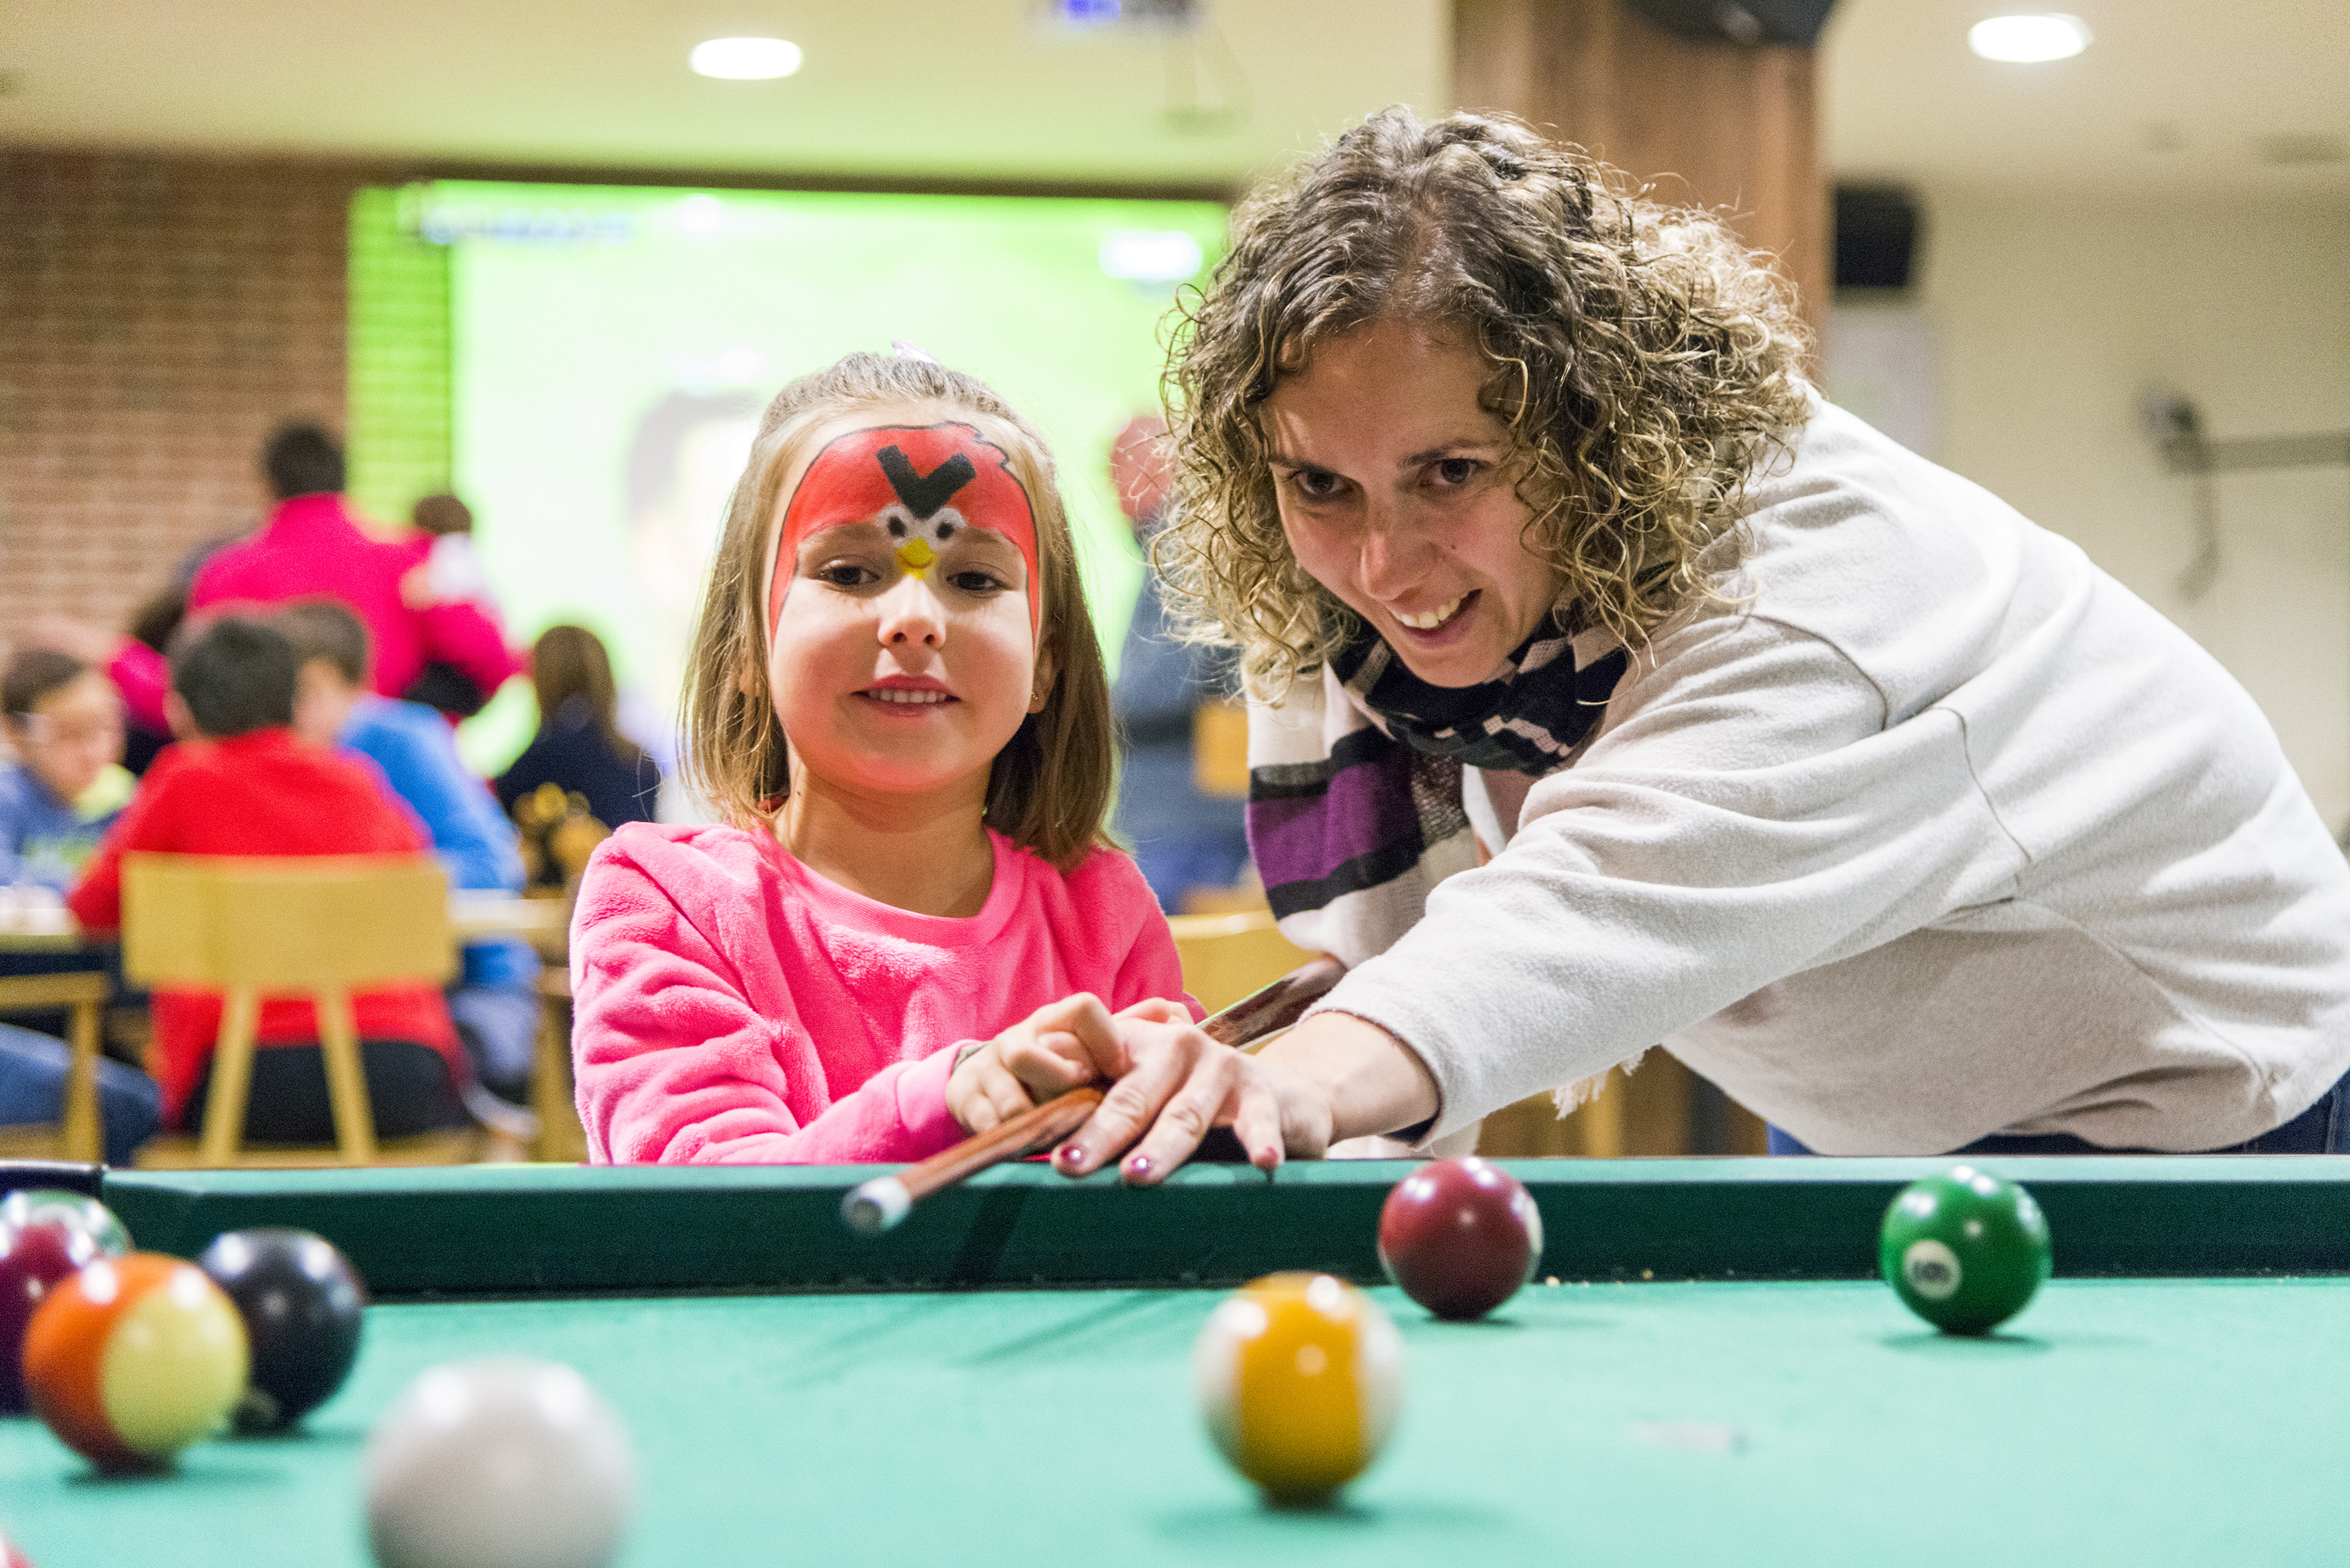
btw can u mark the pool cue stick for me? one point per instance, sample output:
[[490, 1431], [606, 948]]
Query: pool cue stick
[[875, 1206]]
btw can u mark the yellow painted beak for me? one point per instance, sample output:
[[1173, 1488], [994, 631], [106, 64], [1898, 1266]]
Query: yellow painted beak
[[915, 555]]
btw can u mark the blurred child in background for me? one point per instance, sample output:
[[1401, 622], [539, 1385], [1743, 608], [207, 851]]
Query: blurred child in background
[[67, 783], [494, 1004], [240, 783], [579, 747], [65, 788]]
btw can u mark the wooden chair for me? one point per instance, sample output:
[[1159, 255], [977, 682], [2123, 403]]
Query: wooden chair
[[324, 925], [1219, 749], [75, 1136], [561, 1138]]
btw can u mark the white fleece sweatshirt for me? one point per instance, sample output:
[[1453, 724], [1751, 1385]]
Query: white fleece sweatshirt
[[1941, 833]]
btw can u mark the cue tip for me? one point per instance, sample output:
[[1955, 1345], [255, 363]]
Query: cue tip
[[876, 1205]]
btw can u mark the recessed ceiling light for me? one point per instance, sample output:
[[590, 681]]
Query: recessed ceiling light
[[2029, 39], [746, 59]]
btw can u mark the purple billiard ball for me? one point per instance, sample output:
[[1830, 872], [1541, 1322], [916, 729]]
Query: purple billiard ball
[[34, 1259]]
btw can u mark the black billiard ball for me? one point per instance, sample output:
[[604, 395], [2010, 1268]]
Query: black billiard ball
[[1459, 1236], [302, 1303]]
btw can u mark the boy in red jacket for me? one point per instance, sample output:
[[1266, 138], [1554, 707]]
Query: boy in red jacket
[[240, 783]]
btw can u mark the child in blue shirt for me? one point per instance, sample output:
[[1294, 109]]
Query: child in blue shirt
[[64, 721], [494, 1003], [68, 785]]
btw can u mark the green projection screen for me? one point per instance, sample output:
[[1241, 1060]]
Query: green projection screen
[[608, 350]]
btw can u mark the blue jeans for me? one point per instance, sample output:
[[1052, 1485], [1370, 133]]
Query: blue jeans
[[33, 1089], [499, 1024], [2323, 1128]]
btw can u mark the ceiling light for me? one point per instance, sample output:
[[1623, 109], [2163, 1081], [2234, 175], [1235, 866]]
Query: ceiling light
[[746, 59], [2029, 39]]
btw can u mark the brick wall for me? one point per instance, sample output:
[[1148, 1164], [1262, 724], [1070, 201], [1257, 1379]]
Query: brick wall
[[158, 315]]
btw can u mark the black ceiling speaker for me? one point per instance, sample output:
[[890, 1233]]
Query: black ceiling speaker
[[1749, 22], [1876, 236]]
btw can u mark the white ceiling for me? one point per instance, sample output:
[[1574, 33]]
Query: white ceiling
[[2173, 92]]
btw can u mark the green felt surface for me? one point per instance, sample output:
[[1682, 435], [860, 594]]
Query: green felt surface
[[2149, 1422]]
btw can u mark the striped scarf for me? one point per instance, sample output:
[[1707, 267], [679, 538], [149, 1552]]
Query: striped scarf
[[1354, 809]]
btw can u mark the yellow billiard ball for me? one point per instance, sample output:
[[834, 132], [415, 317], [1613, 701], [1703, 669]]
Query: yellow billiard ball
[[1299, 1376]]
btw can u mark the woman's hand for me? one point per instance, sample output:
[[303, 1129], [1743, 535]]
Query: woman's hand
[[1174, 1083], [1333, 1077]]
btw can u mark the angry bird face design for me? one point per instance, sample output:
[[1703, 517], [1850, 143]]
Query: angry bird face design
[[921, 484]]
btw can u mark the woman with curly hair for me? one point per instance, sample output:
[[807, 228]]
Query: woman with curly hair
[[1609, 688]]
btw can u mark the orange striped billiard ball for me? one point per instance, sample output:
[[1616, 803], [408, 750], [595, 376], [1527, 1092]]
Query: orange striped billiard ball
[[1299, 1376], [134, 1359]]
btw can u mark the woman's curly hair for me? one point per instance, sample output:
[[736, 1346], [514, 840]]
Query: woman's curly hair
[[1643, 360]]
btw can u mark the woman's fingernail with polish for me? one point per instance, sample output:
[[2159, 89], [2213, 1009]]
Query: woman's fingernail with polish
[[1139, 1166], [1072, 1155]]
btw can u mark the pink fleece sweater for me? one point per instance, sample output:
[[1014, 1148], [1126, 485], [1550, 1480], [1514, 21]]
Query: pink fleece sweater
[[731, 1006]]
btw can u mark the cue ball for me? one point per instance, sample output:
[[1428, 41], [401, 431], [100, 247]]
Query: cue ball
[[1964, 1250], [506, 1462], [1299, 1376], [134, 1359], [302, 1303], [1459, 1236]]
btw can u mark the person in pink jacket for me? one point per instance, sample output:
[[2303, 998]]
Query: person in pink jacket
[[312, 547], [897, 701]]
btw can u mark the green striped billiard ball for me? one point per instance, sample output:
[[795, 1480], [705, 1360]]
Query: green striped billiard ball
[[1965, 1250]]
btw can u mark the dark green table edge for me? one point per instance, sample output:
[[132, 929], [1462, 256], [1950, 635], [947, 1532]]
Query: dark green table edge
[[560, 1230]]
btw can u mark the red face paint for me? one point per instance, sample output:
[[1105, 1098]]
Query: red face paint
[[924, 485]]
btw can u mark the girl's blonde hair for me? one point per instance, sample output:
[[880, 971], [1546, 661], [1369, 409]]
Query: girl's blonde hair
[[1644, 360], [1050, 787]]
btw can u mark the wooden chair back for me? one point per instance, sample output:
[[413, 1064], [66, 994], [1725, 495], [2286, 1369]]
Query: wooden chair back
[[1219, 749], [315, 925], [292, 923]]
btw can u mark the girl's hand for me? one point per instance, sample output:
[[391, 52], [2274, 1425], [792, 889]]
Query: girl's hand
[[1049, 1053]]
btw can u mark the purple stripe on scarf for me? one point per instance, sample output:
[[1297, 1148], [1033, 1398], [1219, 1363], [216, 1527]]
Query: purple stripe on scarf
[[1367, 807]]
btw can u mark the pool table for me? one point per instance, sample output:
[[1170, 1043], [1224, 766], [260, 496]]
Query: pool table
[[1710, 1372]]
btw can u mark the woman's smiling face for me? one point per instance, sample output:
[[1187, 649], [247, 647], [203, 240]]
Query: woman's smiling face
[[1394, 495]]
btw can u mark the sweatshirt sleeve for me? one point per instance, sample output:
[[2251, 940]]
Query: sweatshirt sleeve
[[1113, 920], [140, 674], [460, 634], [674, 1066], [1752, 810]]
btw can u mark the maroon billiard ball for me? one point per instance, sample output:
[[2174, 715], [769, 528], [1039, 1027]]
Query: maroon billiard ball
[[33, 1260], [1459, 1236]]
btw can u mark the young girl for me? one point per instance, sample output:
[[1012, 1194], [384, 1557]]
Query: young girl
[[897, 702]]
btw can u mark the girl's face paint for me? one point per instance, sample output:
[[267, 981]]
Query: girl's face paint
[[922, 486], [911, 656]]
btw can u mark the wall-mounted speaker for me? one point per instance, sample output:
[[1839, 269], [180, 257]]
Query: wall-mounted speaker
[[1748, 21], [1876, 236]]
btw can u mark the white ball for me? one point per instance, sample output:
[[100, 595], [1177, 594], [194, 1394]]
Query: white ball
[[501, 1463]]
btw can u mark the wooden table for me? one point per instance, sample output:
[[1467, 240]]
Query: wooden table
[[49, 929], [473, 917]]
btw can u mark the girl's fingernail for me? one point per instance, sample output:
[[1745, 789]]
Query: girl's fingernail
[[1139, 1166], [1071, 1155]]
